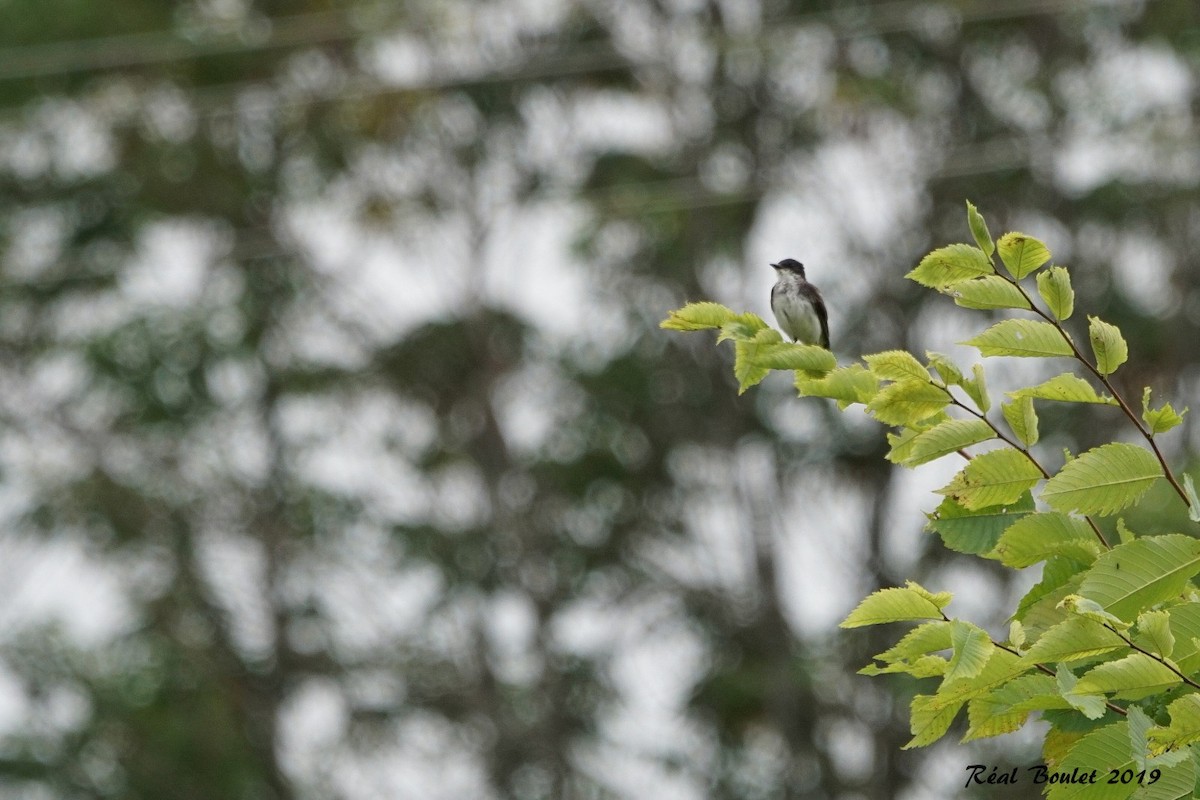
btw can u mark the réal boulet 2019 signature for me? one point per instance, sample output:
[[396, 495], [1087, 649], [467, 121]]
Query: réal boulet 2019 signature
[[980, 774]]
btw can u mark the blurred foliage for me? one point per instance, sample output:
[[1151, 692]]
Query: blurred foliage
[[366, 498]]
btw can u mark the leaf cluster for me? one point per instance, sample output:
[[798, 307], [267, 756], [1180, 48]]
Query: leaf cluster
[[1106, 646]]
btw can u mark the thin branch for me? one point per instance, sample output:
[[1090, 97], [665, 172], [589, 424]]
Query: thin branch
[[1159, 658]]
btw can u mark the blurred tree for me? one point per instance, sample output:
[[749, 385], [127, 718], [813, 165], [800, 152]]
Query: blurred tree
[[331, 374]]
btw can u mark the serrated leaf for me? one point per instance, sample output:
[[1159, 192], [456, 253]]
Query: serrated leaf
[[787, 355], [1133, 677], [987, 293], [1039, 609], [922, 640], [1104, 749], [1139, 725], [976, 532], [1021, 254], [1103, 480], [1022, 419], [1132, 577], [979, 230], [976, 388], [1087, 607], [1090, 706], [1184, 729], [1073, 639], [938, 710], [1155, 628], [1065, 388], [1123, 533], [746, 368], [985, 721], [896, 365], [992, 479], [946, 369], [897, 604], [851, 384], [1185, 628], [1023, 338], [1159, 420], [972, 647], [1107, 345], [697, 317], [744, 327], [1037, 537], [907, 402], [1054, 285], [951, 264], [920, 667], [1016, 633], [942, 439]]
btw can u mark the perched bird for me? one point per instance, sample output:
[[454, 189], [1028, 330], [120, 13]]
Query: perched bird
[[798, 306]]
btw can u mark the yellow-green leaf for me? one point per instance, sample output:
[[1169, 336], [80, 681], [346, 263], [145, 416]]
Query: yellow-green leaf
[[851, 384], [896, 365], [746, 368], [1133, 677], [1184, 728], [976, 388], [975, 532], [1037, 537], [897, 604], [993, 478], [1022, 254], [1159, 420], [986, 293], [1065, 388], [979, 230], [946, 369], [1103, 480], [945, 438], [1054, 285], [1132, 577], [697, 317], [1107, 345], [948, 265], [907, 402], [1025, 338], [972, 647], [1022, 419]]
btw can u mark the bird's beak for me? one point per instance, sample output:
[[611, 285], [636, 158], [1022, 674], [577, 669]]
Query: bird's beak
[[776, 266]]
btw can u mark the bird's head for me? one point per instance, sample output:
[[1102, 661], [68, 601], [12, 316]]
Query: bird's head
[[790, 265]]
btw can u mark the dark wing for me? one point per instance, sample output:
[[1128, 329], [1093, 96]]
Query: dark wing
[[814, 297]]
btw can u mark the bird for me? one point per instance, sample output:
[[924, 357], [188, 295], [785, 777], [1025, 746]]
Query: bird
[[798, 306]]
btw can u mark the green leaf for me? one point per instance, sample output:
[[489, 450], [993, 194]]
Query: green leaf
[[991, 479], [986, 293], [1074, 639], [1133, 677], [979, 230], [985, 721], [1193, 501], [1159, 420], [942, 439], [1037, 537], [920, 667], [786, 355], [1054, 285], [1184, 729], [946, 369], [972, 649], [1185, 629], [1090, 706], [907, 402], [1155, 628], [852, 384], [1001, 667], [951, 264], [1039, 609], [1103, 480], [897, 604], [976, 532], [1016, 633], [746, 368], [1102, 750], [1024, 338], [1107, 345], [1022, 419], [1066, 388], [1022, 254], [976, 388], [1132, 577], [1084, 606], [922, 640], [744, 327], [896, 365], [697, 317]]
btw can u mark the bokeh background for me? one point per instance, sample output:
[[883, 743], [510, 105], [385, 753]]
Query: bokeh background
[[340, 453]]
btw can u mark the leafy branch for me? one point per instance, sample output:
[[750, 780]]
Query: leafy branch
[[1126, 615]]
